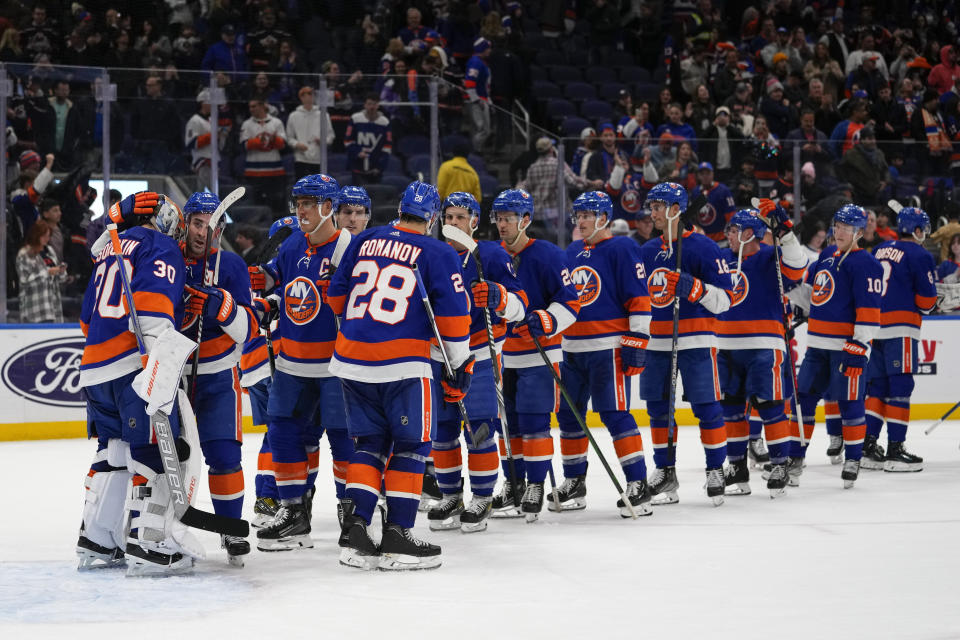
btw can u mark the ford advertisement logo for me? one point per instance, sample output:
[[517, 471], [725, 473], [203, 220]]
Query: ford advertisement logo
[[47, 372]]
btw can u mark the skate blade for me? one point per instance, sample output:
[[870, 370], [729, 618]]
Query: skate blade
[[145, 569], [352, 558], [531, 517], [667, 497], [777, 493], [576, 504], [507, 512], [739, 489], [837, 459], [87, 561], [642, 509], [287, 543], [446, 524], [899, 467], [848, 484], [403, 562], [260, 520], [235, 561], [474, 527], [717, 500], [871, 466]]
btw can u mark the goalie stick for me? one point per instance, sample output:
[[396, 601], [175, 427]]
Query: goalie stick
[[185, 512]]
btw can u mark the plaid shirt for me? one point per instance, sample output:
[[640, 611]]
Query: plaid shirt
[[541, 181], [39, 291]]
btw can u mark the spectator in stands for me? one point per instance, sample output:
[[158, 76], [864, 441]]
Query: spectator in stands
[[603, 17], [40, 274], [369, 142], [823, 211], [694, 71], [907, 98], [224, 55], [867, 77], [717, 203], [263, 43], [638, 129], [676, 126], [722, 145], [777, 110], [34, 184], [476, 83], [197, 139], [413, 30], [623, 109], [153, 45], [371, 48], [456, 174], [810, 190], [823, 105], [10, 50], [589, 143], [890, 119], [246, 240], [744, 185], [263, 137], [701, 110], [826, 69], [951, 265], [645, 229], [884, 229], [541, 182], [943, 235], [665, 152], [867, 49], [98, 225], [303, 134], [602, 162], [943, 77], [154, 119], [187, 48], [41, 36], [742, 106], [927, 126], [658, 113], [765, 147], [67, 126], [51, 214], [683, 170], [781, 45], [727, 77], [812, 141], [812, 236], [869, 238], [847, 132]]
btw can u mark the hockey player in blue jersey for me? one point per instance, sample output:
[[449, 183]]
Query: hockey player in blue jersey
[[603, 349], [383, 357], [704, 287], [909, 292], [503, 295], [353, 209], [529, 389], [306, 400], [124, 479], [752, 349], [219, 291], [843, 289]]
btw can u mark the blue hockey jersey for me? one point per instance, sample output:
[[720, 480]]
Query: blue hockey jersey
[[845, 298], [909, 288], [714, 215]]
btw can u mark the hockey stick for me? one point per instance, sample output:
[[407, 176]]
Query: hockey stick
[[460, 237], [583, 426], [936, 424], [185, 512], [786, 330], [483, 431], [225, 204], [674, 352], [212, 225]]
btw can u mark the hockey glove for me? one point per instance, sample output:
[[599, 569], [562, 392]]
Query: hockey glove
[[633, 352], [685, 285], [212, 303], [854, 358], [267, 309], [125, 212], [537, 324], [260, 278], [456, 387], [489, 294], [775, 216]]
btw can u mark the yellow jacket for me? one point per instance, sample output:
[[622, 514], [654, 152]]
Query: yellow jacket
[[457, 175]]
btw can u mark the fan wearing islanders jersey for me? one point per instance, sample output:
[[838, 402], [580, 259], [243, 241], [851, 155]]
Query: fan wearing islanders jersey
[[502, 296], [305, 399], [843, 287], [397, 289], [219, 292], [626, 189], [703, 286], [151, 226], [602, 350], [909, 292], [718, 203], [529, 391], [750, 337]]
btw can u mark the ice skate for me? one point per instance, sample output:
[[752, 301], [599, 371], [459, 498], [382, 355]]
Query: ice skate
[[445, 515], [715, 485], [430, 493], [777, 480], [264, 510], [835, 449], [91, 555], [357, 548], [758, 453], [794, 471], [474, 517], [664, 485], [236, 547], [290, 529], [851, 468], [736, 477], [308, 501], [898, 459], [873, 454], [502, 505], [145, 563], [571, 494], [532, 503], [638, 492], [401, 551]]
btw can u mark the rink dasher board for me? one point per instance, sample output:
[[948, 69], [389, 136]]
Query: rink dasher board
[[40, 396]]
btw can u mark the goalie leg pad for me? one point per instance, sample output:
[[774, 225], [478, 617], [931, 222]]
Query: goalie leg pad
[[153, 525], [103, 530]]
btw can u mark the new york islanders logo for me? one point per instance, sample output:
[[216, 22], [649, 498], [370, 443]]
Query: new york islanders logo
[[301, 300], [707, 215], [587, 282], [740, 290], [630, 201], [823, 287], [657, 288]]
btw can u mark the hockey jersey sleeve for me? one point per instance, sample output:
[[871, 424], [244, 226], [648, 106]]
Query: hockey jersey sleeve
[[715, 275], [235, 279], [501, 271], [632, 282], [564, 299], [867, 277], [793, 259], [924, 282], [443, 280]]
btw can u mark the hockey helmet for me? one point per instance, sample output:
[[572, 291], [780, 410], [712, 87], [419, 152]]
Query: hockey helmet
[[318, 185], [912, 218], [517, 201], [356, 196], [749, 219], [595, 201], [201, 202], [169, 219], [670, 193], [420, 200], [290, 222], [465, 200], [852, 215]]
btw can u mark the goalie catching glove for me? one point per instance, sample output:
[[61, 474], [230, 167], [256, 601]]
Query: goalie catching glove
[[455, 388]]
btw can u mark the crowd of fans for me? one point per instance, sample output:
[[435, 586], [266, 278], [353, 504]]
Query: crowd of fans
[[716, 95]]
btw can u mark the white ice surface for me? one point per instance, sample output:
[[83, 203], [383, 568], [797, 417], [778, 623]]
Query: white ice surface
[[878, 561]]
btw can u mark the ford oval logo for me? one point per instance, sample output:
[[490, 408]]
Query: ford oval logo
[[47, 372]]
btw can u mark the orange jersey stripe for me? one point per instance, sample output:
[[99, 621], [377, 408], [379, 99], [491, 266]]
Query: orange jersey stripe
[[688, 325], [359, 473], [150, 302], [218, 346], [868, 315], [226, 484], [517, 344], [538, 447], [711, 436], [741, 327], [925, 303], [307, 350], [830, 328], [488, 461], [403, 481], [94, 353], [900, 317], [377, 351], [453, 326], [290, 470], [638, 304], [595, 327]]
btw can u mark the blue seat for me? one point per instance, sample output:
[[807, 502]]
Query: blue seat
[[394, 166], [632, 74], [543, 90], [448, 142], [489, 186], [573, 125], [537, 72], [419, 164], [620, 59], [398, 182], [546, 57], [477, 163], [596, 110], [565, 74], [557, 109], [412, 145], [579, 91], [610, 91], [600, 75], [336, 163], [659, 75], [647, 91]]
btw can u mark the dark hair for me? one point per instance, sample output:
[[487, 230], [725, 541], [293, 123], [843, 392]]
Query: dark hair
[[371, 96], [460, 148], [35, 232], [48, 203], [115, 196], [808, 229], [953, 239]]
